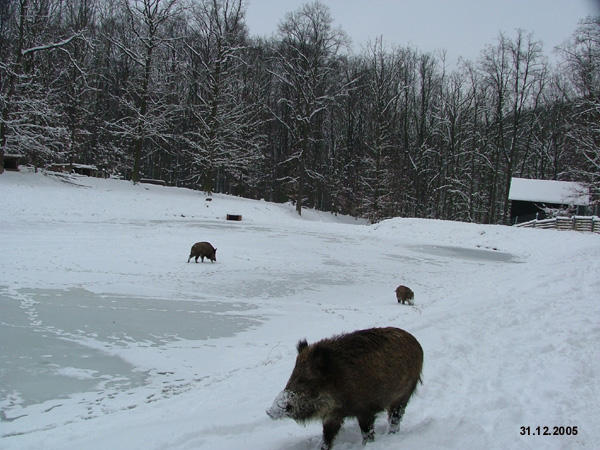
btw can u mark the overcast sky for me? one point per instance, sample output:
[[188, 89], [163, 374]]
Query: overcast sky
[[461, 27]]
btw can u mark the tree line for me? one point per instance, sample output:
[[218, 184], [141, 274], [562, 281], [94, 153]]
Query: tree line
[[178, 90]]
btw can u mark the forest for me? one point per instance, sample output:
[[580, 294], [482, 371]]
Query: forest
[[178, 90]]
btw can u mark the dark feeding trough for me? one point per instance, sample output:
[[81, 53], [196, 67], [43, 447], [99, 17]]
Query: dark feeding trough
[[236, 217], [11, 161], [153, 181]]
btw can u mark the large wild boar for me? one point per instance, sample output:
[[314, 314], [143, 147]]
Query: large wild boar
[[352, 375], [405, 294], [203, 250]]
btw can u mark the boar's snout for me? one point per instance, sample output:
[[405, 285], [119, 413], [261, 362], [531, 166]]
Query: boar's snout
[[299, 405], [280, 407]]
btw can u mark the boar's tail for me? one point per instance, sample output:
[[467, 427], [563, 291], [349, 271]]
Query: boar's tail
[[413, 389]]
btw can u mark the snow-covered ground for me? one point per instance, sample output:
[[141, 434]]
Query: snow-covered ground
[[110, 340]]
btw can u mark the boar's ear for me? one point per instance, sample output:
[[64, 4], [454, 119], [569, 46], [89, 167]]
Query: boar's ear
[[322, 359], [302, 344]]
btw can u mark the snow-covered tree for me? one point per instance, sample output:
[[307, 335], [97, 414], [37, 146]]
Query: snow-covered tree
[[304, 67], [31, 123], [582, 57], [223, 142], [515, 71], [144, 100], [383, 92]]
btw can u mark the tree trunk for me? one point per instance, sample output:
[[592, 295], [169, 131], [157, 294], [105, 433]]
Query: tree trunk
[[300, 187]]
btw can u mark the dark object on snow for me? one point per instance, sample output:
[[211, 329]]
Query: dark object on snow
[[11, 161], [352, 375], [237, 217], [404, 294], [82, 169], [153, 181], [203, 250]]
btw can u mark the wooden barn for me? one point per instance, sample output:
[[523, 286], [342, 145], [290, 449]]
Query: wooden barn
[[531, 198]]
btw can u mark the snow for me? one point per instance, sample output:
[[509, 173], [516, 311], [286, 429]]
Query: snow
[[549, 191], [109, 339]]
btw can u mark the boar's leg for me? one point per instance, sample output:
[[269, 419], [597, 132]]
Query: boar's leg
[[396, 412], [366, 427], [331, 426], [394, 417]]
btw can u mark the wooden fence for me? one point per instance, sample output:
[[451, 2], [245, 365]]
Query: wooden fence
[[577, 223]]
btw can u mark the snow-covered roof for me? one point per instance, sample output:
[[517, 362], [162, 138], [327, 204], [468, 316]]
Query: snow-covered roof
[[549, 191]]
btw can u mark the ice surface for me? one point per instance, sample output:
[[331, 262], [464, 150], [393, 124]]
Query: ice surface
[[50, 359], [473, 254]]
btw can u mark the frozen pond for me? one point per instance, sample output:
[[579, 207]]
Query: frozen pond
[[473, 254], [58, 342]]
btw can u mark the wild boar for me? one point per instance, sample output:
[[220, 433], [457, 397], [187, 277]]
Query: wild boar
[[203, 250], [404, 294], [352, 375]]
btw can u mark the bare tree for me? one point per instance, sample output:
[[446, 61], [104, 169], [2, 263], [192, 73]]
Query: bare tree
[[223, 142], [304, 67], [453, 184], [529, 75], [146, 114], [423, 87], [515, 71], [30, 123], [76, 79], [582, 57], [383, 91]]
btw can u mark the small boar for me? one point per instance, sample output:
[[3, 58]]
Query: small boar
[[404, 294], [352, 375], [203, 250]]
